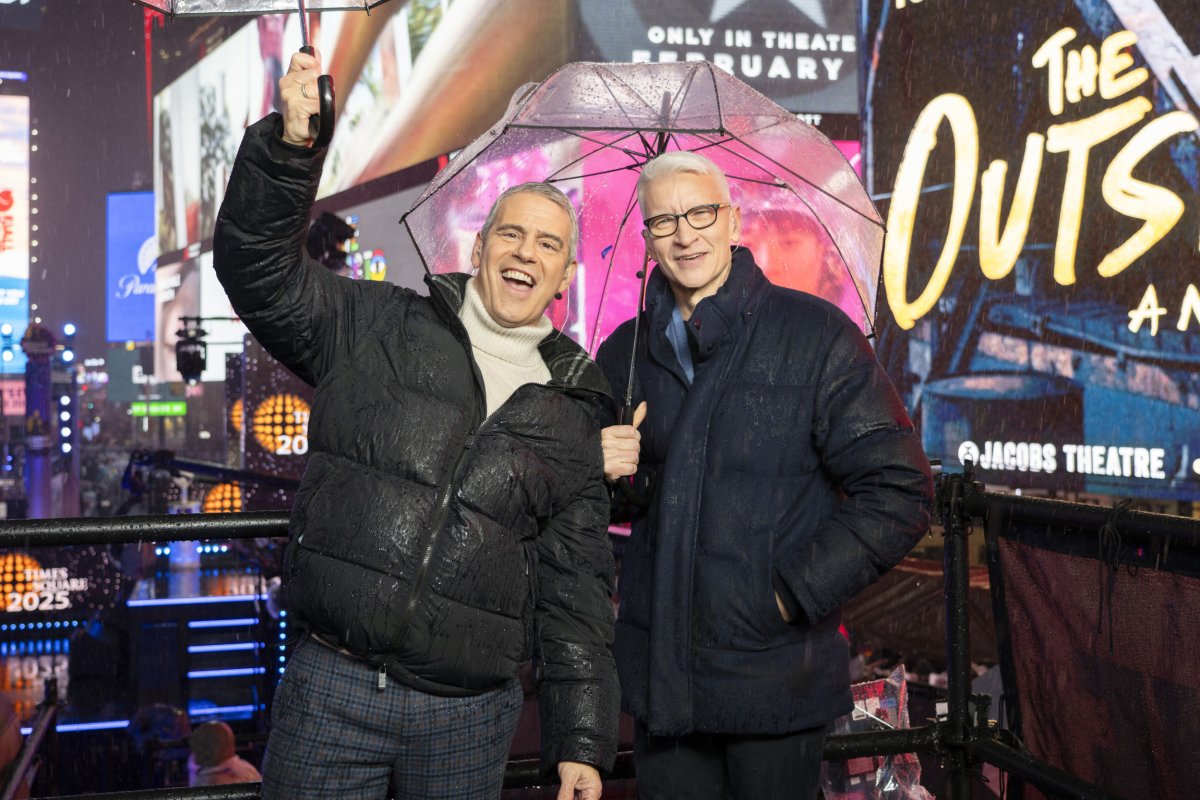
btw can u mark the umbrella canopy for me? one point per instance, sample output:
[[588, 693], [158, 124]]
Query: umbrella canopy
[[589, 128], [207, 7]]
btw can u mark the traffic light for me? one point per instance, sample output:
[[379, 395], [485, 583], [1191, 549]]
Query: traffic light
[[191, 352]]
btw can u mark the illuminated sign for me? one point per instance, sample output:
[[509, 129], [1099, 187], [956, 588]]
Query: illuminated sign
[[278, 406], [280, 425], [45, 581], [15, 215], [803, 54], [132, 252], [159, 408], [223, 498], [1042, 262], [1108, 72]]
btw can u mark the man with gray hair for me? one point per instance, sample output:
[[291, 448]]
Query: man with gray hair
[[453, 514], [784, 476]]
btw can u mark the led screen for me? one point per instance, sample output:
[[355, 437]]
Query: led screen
[[1038, 174]]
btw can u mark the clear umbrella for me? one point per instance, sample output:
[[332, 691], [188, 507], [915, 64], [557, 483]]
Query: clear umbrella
[[589, 128]]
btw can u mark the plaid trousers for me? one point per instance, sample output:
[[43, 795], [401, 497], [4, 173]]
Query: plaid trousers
[[336, 734]]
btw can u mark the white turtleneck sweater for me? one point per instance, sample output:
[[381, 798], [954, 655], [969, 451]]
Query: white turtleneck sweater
[[507, 357]]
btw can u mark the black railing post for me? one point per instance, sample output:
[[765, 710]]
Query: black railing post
[[956, 526]]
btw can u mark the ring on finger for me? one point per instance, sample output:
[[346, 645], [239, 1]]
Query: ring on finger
[[304, 92]]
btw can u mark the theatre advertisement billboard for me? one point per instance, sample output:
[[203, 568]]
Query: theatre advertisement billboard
[[803, 54], [1038, 174]]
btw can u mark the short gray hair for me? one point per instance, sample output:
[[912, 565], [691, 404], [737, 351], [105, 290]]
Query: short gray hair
[[679, 162], [548, 191]]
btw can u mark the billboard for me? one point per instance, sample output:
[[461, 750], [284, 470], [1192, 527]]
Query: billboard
[[417, 80], [803, 54], [1038, 175], [14, 220], [130, 253]]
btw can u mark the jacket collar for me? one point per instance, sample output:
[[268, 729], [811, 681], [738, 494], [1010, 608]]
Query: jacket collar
[[569, 364], [717, 319]]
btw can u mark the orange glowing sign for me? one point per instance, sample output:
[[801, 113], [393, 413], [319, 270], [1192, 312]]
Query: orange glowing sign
[[224, 497], [280, 425]]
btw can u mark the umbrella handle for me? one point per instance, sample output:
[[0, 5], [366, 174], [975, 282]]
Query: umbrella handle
[[632, 495], [320, 126]]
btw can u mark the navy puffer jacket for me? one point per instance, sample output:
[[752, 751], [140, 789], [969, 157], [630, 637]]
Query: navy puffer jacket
[[788, 466], [438, 545]]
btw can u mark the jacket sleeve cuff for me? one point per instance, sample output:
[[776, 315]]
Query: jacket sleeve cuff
[[285, 151]]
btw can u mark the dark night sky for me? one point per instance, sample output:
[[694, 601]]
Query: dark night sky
[[87, 84]]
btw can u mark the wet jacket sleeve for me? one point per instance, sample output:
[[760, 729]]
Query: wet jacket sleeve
[[871, 452], [578, 694], [304, 315]]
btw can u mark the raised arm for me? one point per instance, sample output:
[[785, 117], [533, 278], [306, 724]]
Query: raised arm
[[301, 313]]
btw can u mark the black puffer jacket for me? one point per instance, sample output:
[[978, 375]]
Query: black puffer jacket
[[789, 466], [437, 544]]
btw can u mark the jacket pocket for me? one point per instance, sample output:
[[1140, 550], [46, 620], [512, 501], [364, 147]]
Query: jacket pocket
[[773, 623]]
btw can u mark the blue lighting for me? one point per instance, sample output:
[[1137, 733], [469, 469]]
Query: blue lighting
[[69, 329], [226, 673], [222, 711], [222, 623], [194, 601], [85, 726], [223, 648]]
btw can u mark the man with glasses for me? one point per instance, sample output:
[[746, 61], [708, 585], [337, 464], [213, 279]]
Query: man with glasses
[[783, 476]]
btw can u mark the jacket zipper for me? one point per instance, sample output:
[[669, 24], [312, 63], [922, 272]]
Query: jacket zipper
[[444, 508], [460, 333], [435, 531], [418, 585]]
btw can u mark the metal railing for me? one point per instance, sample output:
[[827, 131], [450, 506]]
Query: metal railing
[[962, 738]]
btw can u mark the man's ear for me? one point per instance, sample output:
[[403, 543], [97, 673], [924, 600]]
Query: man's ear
[[477, 251], [649, 250], [568, 275], [735, 224]]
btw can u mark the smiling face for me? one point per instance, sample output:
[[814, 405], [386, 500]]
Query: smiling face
[[524, 260], [695, 262]]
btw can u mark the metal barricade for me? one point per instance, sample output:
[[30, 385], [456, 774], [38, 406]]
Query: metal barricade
[[962, 738]]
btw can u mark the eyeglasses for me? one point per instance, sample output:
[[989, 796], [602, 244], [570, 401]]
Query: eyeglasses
[[699, 217]]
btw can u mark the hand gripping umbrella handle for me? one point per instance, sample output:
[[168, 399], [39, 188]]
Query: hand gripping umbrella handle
[[632, 495], [320, 126]]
